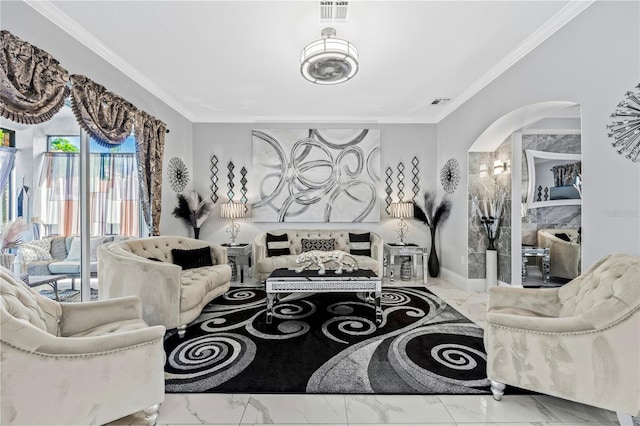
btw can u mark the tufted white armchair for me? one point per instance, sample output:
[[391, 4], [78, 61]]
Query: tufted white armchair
[[170, 296], [76, 363], [580, 342], [564, 256]]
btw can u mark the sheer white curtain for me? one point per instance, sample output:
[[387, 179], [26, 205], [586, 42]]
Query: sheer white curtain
[[7, 156], [114, 202]]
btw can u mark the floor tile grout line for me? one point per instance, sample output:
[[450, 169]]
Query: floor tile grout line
[[245, 409]]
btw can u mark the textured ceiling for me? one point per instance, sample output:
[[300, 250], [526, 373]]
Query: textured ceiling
[[230, 61]]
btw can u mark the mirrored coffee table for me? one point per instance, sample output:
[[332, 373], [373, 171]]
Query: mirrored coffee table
[[290, 281]]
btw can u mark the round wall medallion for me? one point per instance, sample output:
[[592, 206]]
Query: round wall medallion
[[178, 174], [450, 175], [625, 127]]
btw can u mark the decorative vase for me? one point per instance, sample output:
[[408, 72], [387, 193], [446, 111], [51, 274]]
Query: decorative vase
[[492, 268], [433, 263], [405, 268], [196, 233]]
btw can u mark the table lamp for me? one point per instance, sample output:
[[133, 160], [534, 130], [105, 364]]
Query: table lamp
[[401, 211], [233, 211]]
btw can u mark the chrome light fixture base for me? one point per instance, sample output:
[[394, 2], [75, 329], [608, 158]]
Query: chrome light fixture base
[[329, 60]]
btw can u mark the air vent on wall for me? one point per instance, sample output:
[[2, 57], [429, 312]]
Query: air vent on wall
[[440, 101], [334, 11]]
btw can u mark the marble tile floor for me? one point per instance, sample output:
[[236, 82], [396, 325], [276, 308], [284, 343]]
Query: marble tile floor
[[362, 410]]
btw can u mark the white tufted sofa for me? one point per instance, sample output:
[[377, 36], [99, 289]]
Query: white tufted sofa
[[76, 363], [264, 265], [564, 256], [170, 296], [579, 342]]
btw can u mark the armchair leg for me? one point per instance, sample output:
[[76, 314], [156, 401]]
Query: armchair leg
[[497, 389], [182, 330], [151, 414]]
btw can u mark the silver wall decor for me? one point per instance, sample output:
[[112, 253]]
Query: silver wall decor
[[450, 175], [415, 179], [243, 188], [178, 174], [625, 128], [400, 182], [230, 184], [214, 179], [316, 175], [388, 190]]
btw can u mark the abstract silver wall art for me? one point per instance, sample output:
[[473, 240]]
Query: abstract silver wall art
[[625, 127], [243, 188], [450, 175], [214, 179], [387, 189], [400, 182], [230, 184], [177, 174], [316, 175], [415, 179]]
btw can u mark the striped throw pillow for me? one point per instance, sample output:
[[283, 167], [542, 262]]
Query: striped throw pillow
[[277, 245], [360, 244]]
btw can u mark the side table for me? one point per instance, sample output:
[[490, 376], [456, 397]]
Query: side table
[[242, 254], [542, 252], [413, 250], [52, 280]]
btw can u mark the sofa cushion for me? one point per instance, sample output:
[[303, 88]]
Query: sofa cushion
[[70, 267], [194, 258], [278, 245], [324, 244], [75, 248], [360, 244], [35, 250], [58, 248], [113, 327], [197, 283]]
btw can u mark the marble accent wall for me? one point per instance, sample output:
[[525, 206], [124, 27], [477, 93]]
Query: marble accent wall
[[548, 217], [481, 186]]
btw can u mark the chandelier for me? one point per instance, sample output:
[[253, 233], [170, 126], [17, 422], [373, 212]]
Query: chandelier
[[329, 60], [625, 128]]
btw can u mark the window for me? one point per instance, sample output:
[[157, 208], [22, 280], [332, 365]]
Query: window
[[114, 200]]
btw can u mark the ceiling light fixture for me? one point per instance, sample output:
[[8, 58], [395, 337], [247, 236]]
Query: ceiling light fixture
[[329, 60]]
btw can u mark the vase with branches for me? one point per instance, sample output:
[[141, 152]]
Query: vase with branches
[[432, 215], [489, 212], [193, 209]]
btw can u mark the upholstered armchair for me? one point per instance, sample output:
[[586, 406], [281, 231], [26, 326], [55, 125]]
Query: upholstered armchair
[[579, 342], [171, 295], [76, 363], [564, 256]]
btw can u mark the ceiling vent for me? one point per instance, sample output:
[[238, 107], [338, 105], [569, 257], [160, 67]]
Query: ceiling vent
[[334, 11], [440, 101]]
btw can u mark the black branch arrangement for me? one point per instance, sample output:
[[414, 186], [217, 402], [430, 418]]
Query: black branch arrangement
[[193, 209], [432, 216]]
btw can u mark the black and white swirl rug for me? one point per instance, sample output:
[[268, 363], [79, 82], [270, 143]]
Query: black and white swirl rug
[[328, 343]]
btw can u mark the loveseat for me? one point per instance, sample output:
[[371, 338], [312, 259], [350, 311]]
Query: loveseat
[[565, 251], [265, 264], [61, 255], [171, 295]]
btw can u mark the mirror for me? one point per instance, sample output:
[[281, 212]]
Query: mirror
[[551, 179]]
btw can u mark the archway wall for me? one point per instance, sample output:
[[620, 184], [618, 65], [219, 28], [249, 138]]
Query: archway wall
[[584, 64]]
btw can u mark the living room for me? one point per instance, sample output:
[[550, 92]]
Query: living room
[[589, 62]]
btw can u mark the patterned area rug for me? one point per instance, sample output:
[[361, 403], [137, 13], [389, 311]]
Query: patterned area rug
[[69, 295], [328, 343]]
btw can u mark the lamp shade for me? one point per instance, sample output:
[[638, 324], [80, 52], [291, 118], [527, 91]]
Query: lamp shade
[[401, 210], [232, 210]]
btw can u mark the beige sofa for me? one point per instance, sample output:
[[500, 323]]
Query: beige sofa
[[565, 256], [76, 363], [264, 265], [170, 296], [579, 342]]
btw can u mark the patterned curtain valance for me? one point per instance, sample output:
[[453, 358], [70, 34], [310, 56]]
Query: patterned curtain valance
[[565, 175], [33, 85], [103, 114]]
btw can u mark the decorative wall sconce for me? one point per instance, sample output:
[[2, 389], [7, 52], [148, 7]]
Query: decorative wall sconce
[[233, 211], [402, 211], [500, 166], [484, 170]]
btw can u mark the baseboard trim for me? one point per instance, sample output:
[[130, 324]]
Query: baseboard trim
[[454, 278], [477, 285]]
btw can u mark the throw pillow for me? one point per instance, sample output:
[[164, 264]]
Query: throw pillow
[[324, 244], [195, 258], [360, 244], [58, 248], [74, 250], [277, 245], [563, 236], [35, 250]]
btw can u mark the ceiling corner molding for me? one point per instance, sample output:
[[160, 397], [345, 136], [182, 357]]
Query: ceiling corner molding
[[78, 32], [555, 23]]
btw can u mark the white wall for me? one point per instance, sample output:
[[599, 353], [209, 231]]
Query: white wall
[[592, 61], [22, 21], [399, 142]]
